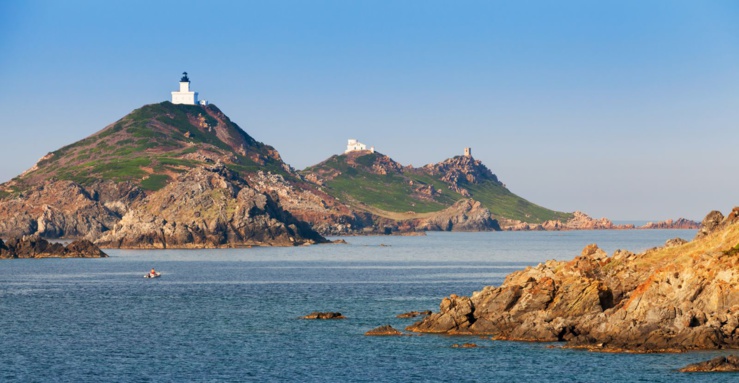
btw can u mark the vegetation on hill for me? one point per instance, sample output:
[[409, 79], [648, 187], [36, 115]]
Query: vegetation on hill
[[153, 144], [372, 181]]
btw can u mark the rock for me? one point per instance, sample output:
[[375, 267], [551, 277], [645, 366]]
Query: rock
[[385, 330], [672, 299], [57, 209], [675, 242], [461, 170], [464, 215], [712, 221], [307, 203], [464, 345], [208, 207], [579, 221], [413, 314], [323, 315], [719, 364], [33, 246]]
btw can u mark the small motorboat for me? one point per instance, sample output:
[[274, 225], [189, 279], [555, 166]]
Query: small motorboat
[[153, 275]]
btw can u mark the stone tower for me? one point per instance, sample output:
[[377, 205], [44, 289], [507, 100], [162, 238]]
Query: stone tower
[[185, 96], [468, 152]]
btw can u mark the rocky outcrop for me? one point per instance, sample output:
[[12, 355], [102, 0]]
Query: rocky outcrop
[[209, 206], [718, 364], [715, 221], [35, 247], [460, 170], [582, 221], [464, 215], [682, 297], [57, 209], [385, 330], [579, 221], [307, 203], [323, 315], [680, 223]]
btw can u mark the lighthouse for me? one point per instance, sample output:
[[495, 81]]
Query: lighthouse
[[185, 96]]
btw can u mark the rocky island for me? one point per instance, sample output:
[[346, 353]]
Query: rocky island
[[683, 296], [176, 175]]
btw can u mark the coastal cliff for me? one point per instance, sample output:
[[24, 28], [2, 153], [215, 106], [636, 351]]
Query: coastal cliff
[[208, 207], [683, 296]]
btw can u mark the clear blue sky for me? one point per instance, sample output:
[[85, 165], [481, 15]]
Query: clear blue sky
[[623, 109]]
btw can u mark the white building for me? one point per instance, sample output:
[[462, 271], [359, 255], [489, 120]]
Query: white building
[[184, 96], [355, 146]]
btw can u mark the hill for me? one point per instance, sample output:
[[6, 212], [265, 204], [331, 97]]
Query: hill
[[151, 146], [140, 165], [373, 182]]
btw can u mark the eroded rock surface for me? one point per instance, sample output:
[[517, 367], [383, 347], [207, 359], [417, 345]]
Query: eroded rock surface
[[210, 207], [57, 209], [464, 215], [675, 298]]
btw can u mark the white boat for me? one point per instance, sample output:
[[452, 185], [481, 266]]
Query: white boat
[[155, 275]]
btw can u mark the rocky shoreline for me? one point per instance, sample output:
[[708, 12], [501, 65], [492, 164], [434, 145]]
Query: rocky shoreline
[[683, 296]]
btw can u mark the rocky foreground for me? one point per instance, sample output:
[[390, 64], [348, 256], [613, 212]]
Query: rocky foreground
[[683, 296], [35, 247]]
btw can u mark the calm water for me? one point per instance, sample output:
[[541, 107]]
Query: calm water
[[231, 315]]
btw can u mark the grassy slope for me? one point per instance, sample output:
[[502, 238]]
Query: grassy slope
[[391, 192], [357, 186], [151, 145]]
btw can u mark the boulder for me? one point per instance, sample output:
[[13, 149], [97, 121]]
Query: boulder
[[710, 223]]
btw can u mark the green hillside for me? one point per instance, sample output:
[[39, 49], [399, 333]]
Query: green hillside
[[153, 144], [371, 181]]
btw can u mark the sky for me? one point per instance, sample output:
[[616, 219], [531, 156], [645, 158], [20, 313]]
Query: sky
[[620, 109]]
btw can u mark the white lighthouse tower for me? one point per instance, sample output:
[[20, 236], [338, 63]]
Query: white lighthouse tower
[[184, 96]]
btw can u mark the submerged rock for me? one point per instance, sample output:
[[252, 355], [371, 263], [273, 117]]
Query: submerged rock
[[385, 330], [719, 364], [323, 315], [464, 345]]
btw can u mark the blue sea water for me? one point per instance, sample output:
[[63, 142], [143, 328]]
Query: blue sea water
[[232, 315]]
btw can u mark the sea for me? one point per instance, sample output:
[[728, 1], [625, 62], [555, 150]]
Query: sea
[[232, 315]]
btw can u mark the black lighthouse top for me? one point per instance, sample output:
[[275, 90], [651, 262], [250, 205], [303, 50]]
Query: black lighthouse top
[[184, 77]]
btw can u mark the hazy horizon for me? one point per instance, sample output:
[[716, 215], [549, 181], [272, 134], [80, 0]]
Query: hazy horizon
[[620, 109]]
